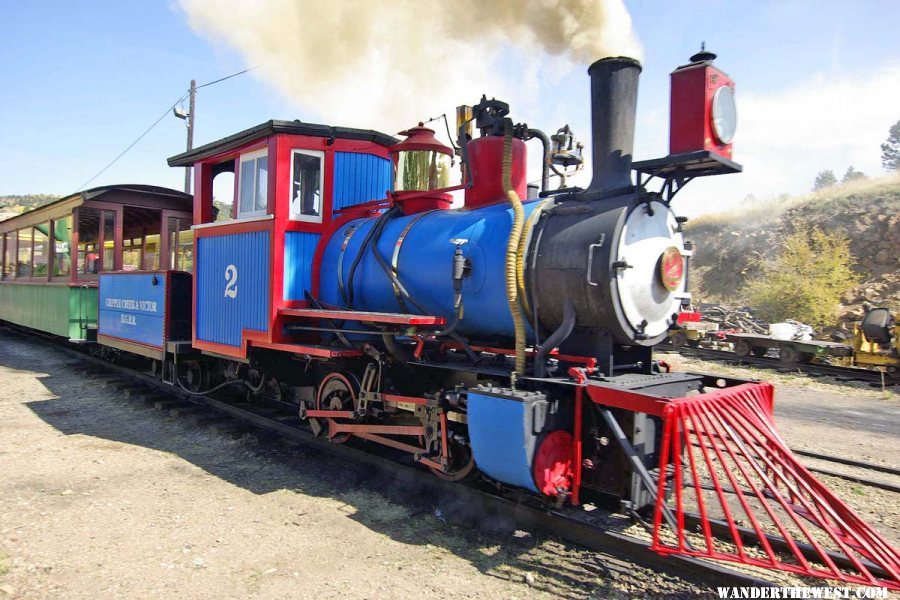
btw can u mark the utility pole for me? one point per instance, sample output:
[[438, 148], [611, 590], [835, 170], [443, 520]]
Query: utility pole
[[190, 135]]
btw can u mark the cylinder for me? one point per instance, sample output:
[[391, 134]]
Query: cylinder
[[614, 87]]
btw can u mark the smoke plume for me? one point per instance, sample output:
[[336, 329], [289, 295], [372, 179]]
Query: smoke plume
[[385, 65]]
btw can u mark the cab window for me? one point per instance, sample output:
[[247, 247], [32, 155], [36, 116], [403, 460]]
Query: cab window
[[253, 193], [306, 186]]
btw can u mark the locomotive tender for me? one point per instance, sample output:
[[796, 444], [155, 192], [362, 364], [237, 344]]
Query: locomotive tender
[[510, 337]]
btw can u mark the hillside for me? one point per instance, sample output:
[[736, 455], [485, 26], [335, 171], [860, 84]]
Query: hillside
[[16, 205], [730, 246]]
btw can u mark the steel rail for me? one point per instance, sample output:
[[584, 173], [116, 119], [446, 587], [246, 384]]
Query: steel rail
[[857, 479], [847, 461], [848, 373]]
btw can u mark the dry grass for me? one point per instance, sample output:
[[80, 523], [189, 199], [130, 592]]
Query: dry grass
[[766, 211]]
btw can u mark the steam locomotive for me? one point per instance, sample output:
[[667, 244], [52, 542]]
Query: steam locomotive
[[510, 338]]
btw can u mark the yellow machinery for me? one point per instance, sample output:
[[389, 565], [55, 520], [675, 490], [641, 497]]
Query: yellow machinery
[[876, 341], [691, 333]]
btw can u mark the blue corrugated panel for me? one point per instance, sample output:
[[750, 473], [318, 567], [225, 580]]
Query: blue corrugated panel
[[497, 434], [133, 307], [359, 178], [299, 248], [232, 286]]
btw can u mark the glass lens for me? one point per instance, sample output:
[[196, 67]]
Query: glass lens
[[422, 170], [724, 114]]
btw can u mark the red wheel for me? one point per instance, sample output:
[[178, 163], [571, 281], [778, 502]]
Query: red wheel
[[337, 392], [553, 463]]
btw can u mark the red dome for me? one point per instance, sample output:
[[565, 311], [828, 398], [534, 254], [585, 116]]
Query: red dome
[[420, 138]]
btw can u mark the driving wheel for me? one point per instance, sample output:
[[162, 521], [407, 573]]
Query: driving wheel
[[338, 391]]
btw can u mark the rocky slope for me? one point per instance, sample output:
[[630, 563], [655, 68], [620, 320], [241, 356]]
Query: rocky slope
[[730, 246]]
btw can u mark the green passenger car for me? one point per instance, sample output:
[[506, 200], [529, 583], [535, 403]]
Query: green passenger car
[[51, 257]]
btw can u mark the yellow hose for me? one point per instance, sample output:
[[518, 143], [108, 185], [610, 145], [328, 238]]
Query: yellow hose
[[520, 259], [512, 251]]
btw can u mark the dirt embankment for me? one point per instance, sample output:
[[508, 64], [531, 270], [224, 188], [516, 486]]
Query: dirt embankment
[[730, 247]]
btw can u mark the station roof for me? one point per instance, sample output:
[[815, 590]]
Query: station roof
[[187, 159]]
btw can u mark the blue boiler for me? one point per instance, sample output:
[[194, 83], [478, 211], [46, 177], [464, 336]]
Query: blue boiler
[[424, 263]]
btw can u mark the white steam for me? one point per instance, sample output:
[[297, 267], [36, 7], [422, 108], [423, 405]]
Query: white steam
[[385, 65]]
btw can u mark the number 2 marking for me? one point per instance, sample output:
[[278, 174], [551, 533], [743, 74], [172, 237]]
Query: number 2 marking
[[231, 276]]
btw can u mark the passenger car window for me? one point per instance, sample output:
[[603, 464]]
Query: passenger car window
[[109, 240], [23, 266], [41, 250], [9, 263], [62, 238], [88, 240], [306, 186], [131, 253], [181, 244]]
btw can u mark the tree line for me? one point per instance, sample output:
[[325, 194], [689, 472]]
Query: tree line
[[890, 160]]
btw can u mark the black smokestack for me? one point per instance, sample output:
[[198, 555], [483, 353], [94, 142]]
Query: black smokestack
[[614, 86]]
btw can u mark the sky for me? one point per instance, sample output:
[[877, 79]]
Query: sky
[[817, 84]]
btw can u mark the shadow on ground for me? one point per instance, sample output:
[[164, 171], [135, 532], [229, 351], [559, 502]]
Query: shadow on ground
[[396, 509]]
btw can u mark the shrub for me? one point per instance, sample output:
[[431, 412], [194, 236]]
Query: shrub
[[806, 279]]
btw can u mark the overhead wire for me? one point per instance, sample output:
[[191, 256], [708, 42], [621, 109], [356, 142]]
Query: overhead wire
[[155, 123], [224, 78], [133, 144]]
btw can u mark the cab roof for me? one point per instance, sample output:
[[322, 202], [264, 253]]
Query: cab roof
[[187, 159]]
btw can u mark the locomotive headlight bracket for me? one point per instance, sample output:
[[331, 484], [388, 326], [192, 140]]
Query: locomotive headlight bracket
[[724, 114]]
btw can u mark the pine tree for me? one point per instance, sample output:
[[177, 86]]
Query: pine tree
[[824, 179], [890, 149], [852, 174]]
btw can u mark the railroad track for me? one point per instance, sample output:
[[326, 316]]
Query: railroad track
[[589, 529], [861, 465], [875, 378]]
